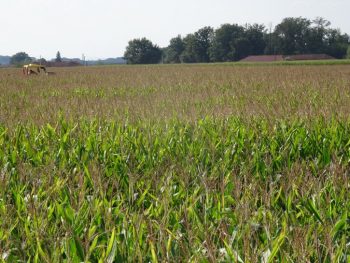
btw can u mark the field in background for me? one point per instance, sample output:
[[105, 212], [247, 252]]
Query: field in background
[[187, 92], [176, 163]]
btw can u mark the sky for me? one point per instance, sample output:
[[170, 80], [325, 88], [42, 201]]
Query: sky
[[102, 28]]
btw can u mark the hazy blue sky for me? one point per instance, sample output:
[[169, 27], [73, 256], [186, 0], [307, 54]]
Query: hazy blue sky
[[102, 28]]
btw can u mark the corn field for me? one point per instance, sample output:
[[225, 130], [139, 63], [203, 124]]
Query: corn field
[[176, 164]]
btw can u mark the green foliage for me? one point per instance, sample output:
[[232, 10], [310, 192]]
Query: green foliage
[[20, 58], [218, 190], [232, 42], [263, 178], [348, 52], [291, 33], [301, 36], [58, 57], [193, 48], [223, 48], [189, 53], [142, 51], [228, 43], [255, 34], [174, 50], [203, 40], [337, 43]]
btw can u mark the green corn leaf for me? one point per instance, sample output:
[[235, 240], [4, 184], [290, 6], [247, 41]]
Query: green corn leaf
[[93, 244], [112, 253], [232, 253], [153, 252], [69, 214], [110, 243], [277, 244], [339, 226], [79, 247], [311, 207]]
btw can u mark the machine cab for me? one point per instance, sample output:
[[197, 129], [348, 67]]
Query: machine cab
[[33, 69]]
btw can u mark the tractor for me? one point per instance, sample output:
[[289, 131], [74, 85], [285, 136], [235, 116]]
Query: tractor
[[34, 69]]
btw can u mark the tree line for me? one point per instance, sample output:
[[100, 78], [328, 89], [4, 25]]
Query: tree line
[[232, 42], [21, 58]]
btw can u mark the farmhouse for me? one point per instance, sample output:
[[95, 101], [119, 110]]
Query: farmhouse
[[263, 58], [272, 58], [61, 64]]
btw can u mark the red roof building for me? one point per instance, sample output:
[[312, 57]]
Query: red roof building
[[263, 58], [272, 58]]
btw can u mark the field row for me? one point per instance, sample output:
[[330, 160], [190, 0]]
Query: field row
[[213, 190], [186, 92]]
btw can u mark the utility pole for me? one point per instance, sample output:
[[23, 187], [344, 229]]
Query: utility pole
[[83, 58], [270, 36]]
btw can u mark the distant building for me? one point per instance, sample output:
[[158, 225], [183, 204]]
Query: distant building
[[61, 64], [272, 58], [309, 57], [263, 58]]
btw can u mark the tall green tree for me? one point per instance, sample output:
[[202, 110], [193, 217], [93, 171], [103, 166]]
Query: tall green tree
[[20, 58], [317, 34], [291, 34], [243, 48], [58, 57], [224, 43], [300, 35], [189, 53], [255, 34], [197, 46], [203, 41], [272, 44], [348, 53], [142, 51], [174, 50], [336, 43]]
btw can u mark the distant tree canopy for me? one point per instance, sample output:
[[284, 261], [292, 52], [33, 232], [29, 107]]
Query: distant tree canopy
[[174, 50], [301, 36], [20, 58], [232, 42], [142, 51], [193, 48], [348, 53], [58, 57]]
